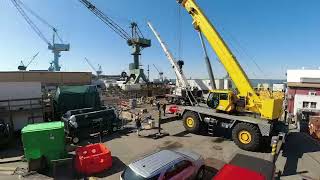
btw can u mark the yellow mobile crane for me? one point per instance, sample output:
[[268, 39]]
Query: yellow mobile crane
[[249, 116]]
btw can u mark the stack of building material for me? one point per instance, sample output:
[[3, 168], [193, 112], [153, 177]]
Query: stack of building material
[[132, 103]]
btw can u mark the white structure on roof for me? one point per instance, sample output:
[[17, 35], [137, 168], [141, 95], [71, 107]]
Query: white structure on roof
[[205, 85], [303, 76], [278, 87]]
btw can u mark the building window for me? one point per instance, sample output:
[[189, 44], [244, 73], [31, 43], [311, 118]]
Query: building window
[[312, 93], [313, 105], [305, 104]]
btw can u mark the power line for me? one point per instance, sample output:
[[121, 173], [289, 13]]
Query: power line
[[242, 49]]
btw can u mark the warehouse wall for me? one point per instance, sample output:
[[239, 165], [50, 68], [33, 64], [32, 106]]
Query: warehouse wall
[[47, 78]]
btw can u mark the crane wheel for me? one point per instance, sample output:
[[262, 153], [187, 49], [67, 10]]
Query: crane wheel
[[191, 122], [247, 136]]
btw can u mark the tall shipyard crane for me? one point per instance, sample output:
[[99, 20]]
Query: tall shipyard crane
[[56, 48], [99, 71], [134, 39], [181, 78], [182, 84]]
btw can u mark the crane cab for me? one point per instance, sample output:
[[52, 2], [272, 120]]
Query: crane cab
[[222, 100]]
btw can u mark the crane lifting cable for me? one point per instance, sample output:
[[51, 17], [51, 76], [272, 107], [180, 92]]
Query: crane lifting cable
[[241, 49]]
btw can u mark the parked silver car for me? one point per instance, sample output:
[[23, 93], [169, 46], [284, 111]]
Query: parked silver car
[[177, 164]]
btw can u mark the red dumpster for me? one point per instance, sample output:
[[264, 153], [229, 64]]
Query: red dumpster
[[93, 158]]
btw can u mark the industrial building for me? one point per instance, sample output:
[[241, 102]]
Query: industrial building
[[303, 93]]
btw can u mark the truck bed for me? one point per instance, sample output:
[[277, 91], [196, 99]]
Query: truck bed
[[208, 111]]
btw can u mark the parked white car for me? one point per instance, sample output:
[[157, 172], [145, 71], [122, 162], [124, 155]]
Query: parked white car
[[166, 165]]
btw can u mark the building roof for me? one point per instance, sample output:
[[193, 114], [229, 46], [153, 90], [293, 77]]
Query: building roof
[[304, 85]]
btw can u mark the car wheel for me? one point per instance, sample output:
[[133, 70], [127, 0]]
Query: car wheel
[[201, 173]]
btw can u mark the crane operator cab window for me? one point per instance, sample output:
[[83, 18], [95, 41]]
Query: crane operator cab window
[[221, 100]]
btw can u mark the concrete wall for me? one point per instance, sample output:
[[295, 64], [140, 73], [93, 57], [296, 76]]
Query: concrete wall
[[20, 103], [22, 118], [20, 90], [47, 78]]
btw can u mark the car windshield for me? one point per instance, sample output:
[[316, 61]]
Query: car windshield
[[128, 174]]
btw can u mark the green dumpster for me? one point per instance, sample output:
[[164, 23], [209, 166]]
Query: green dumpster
[[44, 140]]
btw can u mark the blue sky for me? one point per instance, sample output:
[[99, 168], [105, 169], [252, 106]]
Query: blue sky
[[275, 34]]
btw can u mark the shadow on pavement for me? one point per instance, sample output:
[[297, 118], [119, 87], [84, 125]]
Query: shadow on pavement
[[169, 118], [13, 149], [182, 134], [107, 137], [212, 166], [296, 145], [117, 166]]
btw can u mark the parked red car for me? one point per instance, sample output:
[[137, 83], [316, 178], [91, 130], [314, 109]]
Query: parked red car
[[243, 167]]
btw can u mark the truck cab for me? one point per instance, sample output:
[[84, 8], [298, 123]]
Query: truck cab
[[222, 100]]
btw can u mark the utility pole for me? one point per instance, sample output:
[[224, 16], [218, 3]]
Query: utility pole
[[148, 73]]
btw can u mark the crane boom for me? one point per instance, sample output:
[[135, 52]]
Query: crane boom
[[92, 67], [107, 20], [32, 59], [17, 3], [268, 108], [181, 79], [221, 49], [156, 68]]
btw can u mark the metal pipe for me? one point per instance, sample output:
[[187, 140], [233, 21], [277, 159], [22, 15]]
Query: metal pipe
[[208, 63]]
